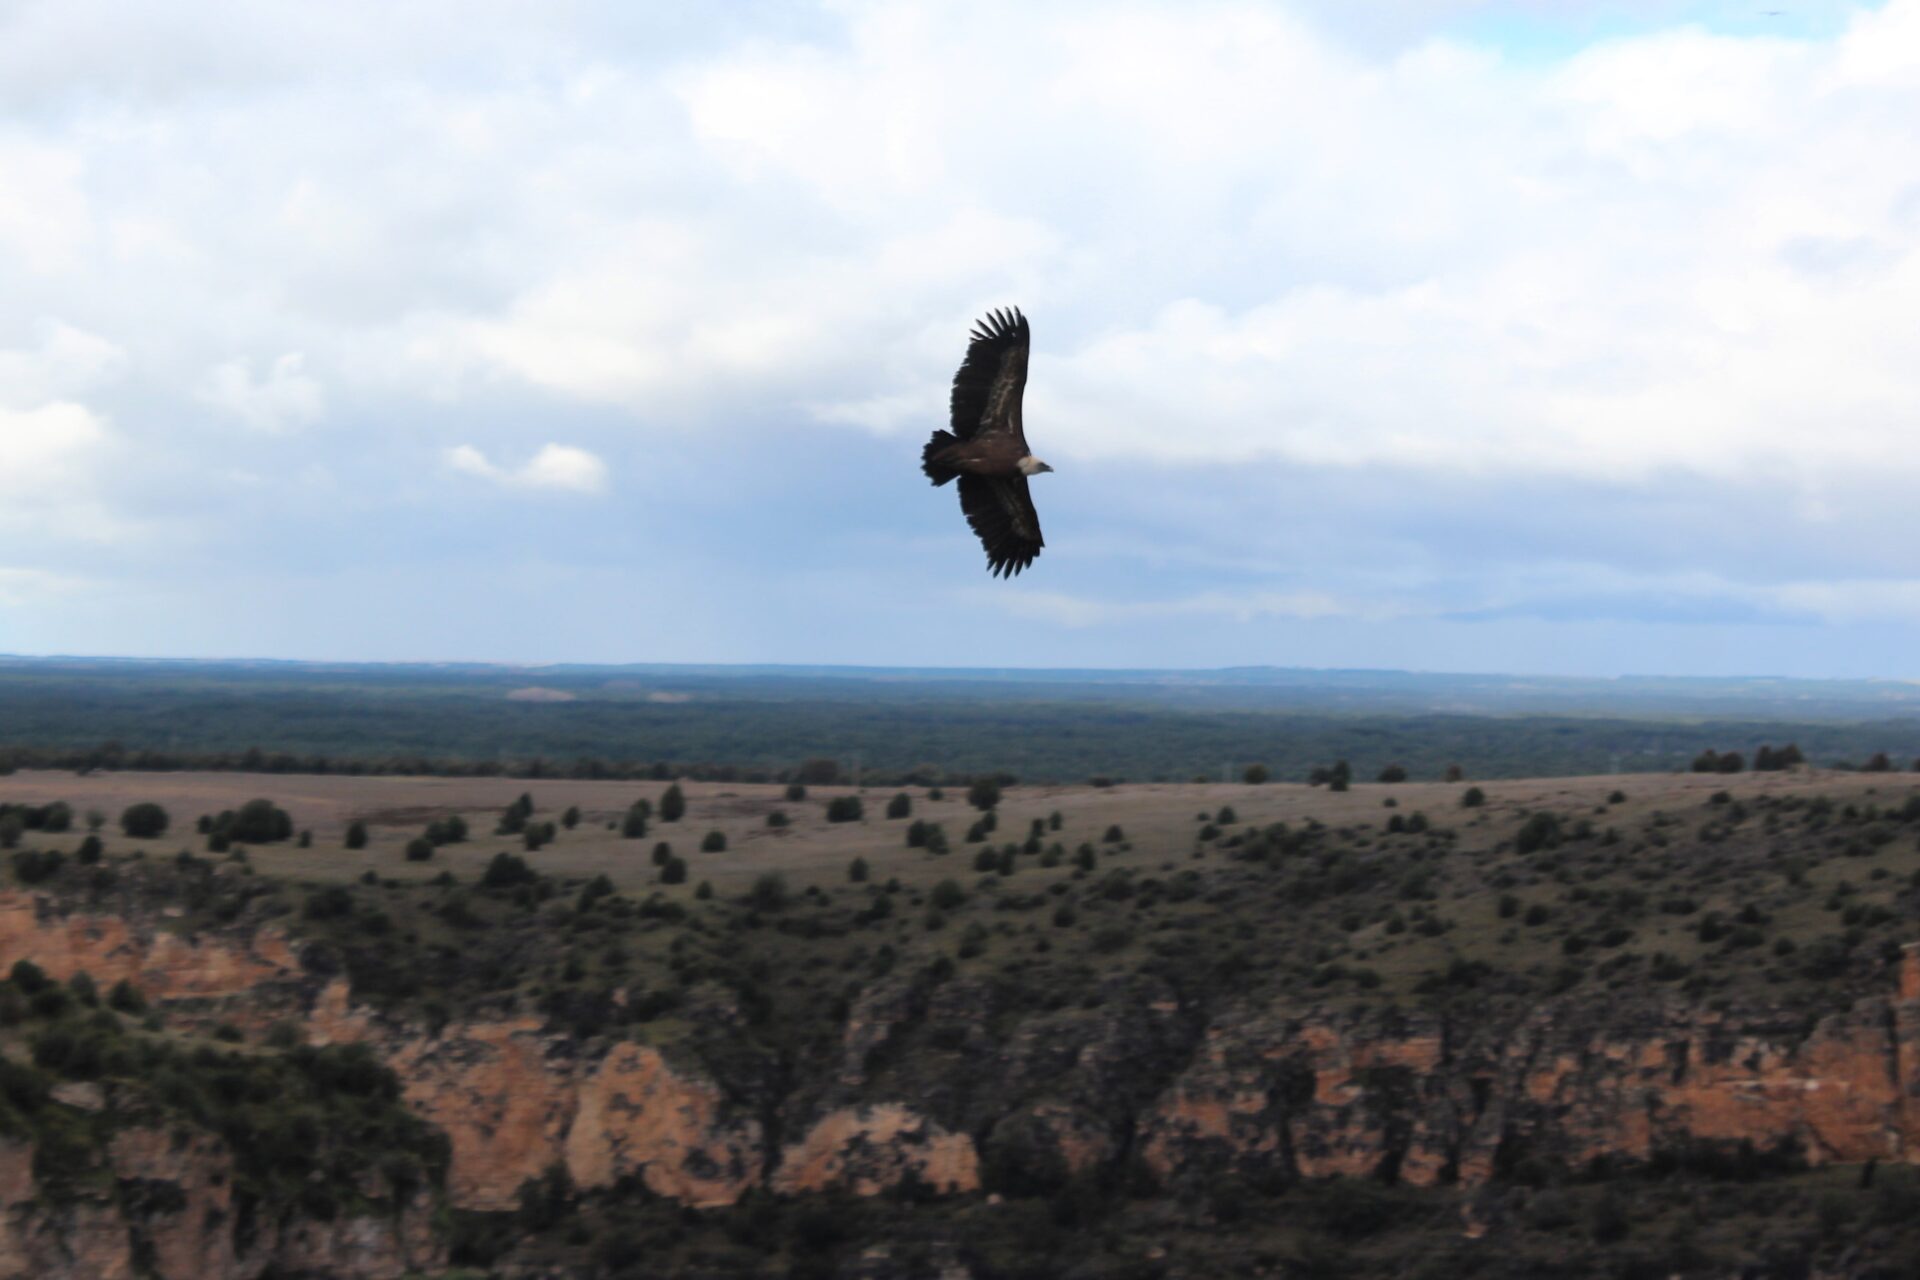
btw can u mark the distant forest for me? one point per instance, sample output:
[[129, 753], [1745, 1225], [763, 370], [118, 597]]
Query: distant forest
[[907, 727]]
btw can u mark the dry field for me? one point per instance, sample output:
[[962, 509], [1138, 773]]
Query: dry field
[[1159, 819]]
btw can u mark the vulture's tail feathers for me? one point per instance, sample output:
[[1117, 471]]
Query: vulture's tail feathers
[[937, 471]]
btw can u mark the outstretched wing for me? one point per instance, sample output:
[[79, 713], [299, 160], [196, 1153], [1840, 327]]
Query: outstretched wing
[[1001, 512], [986, 391]]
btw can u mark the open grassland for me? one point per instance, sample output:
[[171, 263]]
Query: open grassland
[[1159, 820], [1787, 882]]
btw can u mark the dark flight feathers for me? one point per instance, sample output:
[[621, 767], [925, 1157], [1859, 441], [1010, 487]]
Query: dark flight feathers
[[1001, 512], [987, 441], [986, 390]]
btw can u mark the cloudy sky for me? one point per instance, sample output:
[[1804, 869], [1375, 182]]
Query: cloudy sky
[[1500, 335]]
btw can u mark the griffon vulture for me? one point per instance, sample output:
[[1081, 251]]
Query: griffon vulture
[[987, 448]]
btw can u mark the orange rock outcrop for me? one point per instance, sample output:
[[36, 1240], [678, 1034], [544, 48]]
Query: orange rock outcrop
[[164, 964], [866, 1150]]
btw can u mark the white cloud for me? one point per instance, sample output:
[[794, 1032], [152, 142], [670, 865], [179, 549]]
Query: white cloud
[[47, 449], [285, 398], [556, 466], [1566, 590], [52, 456], [66, 361], [1069, 610], [53, 444], [23, 587]]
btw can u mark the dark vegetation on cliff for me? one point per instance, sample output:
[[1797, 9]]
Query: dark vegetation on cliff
[[316, 1132], [1034, 967]]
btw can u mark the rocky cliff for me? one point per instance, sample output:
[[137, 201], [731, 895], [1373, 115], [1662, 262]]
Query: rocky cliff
[[1008, 1098]]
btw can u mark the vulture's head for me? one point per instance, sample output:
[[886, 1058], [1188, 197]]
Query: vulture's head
[[1032, 466]]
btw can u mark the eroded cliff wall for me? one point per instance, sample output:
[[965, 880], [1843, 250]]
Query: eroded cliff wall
[[1141, 1079]]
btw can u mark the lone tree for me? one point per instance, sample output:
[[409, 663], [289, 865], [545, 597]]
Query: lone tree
[[900, 806], [1256, 774], [673, 805], [1334, 777], [507, 871], [769, 892], [844, 809], [260, 822], [818, 772], [144, 821], [1393, 773], [356, 834], [634, 825], [715, 842], [571, 818], [984, 794]]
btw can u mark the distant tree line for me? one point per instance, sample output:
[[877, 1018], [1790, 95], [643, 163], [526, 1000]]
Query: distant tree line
[[113, 758], [1765, 760], [1034, 743]]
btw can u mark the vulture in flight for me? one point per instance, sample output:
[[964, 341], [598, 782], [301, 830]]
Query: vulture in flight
[[986, 451]]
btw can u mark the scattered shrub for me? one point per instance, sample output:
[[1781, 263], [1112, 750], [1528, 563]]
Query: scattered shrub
[[144, 821]]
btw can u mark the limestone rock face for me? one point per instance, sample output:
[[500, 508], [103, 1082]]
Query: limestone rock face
[[163, 964], [1424, 1102], [870, 1150], [514, 1102]]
